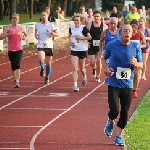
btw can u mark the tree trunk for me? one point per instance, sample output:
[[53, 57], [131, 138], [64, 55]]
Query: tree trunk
[[26, 6], [49, 3], [31, 9], [65, 6], [12, 7], [1, 9]]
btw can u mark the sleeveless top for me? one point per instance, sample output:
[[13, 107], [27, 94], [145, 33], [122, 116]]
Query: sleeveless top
[[80, 45], [147, 42], [109, 37], [136, 37], [14, 39], [95, 32]]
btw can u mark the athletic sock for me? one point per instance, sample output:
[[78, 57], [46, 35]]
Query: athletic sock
[[42, 65], [75, 84], [48, 71]]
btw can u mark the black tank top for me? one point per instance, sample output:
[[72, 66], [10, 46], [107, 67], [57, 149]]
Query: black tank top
[[96, 31]]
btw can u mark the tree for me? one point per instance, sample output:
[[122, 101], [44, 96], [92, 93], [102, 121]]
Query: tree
[[109, 4], [12, 7], [140, 3], [1, 10], [31, 8]]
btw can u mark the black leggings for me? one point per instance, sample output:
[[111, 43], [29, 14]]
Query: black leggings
[[125, 96], [15, 59]]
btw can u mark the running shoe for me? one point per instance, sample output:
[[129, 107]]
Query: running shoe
[[134, 94], [46, 81], [143, 78], [108, 130], [98, 79], [84, 81], [42, 73], [94, 73], [17, 85], [75, 89], [118, 141]]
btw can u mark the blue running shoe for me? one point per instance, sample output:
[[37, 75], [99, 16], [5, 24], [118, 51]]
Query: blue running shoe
[[118, 141], [109, 128]]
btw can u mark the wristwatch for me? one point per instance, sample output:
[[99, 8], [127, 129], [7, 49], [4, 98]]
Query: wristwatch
[[82, 38]]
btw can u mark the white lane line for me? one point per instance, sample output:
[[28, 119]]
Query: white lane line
[[21, 126], [35, 68], [35, 109], [4, 106], [60, 115], [15, 148], [33, 91], [9, 62]]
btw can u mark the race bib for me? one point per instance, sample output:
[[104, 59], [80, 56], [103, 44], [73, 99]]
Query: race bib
[[123, 73], [45, 44], [96, 42]]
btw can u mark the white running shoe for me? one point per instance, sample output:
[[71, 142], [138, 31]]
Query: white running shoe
[[143, 78], [75, 89], [98, 79]]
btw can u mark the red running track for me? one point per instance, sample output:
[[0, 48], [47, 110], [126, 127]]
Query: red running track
[[53, 117]]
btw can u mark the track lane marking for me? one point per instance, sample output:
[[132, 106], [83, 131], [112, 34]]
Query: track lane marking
[[60, 115], [22, 59], [34, 68]]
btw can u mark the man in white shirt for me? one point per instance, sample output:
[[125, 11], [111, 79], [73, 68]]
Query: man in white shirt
[[44, 32]]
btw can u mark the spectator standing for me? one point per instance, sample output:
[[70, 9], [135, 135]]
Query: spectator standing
[[57, 12], [51, 17], [143, 11], [83, 12], [62, 16], [6, 8]]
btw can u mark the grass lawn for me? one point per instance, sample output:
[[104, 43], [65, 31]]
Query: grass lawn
[[24, 18], [137, 133]]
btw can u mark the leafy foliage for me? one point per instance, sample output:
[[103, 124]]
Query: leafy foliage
[[109, 4]]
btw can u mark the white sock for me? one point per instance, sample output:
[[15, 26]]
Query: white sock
[[84, 77], [75, 84]]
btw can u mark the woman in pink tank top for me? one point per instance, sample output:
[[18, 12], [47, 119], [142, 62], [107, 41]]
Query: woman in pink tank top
[[15, 34]]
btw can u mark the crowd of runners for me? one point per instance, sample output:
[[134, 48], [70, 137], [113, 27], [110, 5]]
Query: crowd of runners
[[118, 42]]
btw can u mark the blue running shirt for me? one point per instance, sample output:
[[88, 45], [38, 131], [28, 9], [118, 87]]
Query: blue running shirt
[[120, 56]]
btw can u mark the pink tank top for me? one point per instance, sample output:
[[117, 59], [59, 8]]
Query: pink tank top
[[14, 39]]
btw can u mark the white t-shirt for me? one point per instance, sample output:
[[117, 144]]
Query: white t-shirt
[[44, 37], [85, 15], [80, 45]]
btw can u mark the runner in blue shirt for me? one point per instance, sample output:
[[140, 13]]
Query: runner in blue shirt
[[123, 56]]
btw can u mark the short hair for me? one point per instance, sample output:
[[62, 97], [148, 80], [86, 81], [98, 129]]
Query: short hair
[[97, 12], [82, 6], [134, 21], [15, 15]]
